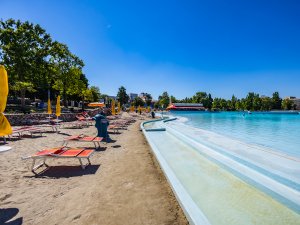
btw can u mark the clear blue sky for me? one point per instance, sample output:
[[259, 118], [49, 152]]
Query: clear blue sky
[[218, 46]]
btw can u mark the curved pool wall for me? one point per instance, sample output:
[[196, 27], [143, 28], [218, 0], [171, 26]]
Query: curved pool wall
[[186, 162], [192, 212]]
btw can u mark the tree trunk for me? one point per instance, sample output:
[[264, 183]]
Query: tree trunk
[[65, 97], [82, 104]]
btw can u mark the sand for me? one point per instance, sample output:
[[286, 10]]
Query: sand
[[124, 184]]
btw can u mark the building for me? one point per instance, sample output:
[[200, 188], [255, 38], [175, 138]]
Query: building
[[132, 96], [295, 100], [186, 107], [143, 96]]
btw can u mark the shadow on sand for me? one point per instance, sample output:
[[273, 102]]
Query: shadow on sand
[[7, 216], [65, 171]]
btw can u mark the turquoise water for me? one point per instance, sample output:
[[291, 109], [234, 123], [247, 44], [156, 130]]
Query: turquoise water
[[279, 132]]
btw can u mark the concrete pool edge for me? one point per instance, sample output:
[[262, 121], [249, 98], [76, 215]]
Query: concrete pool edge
[[282, 193], [190, 209]]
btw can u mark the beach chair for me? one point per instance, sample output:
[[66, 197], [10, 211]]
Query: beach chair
[[59, 153], [87, 120], [82, 138], [115, 128], [29, 129]]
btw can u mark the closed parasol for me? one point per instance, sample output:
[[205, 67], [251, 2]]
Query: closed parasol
[[5, 128]]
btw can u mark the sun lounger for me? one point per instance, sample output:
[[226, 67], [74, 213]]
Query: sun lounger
[[29, 129], [87, 120], [115, 128], [83, 138], [60, 152]]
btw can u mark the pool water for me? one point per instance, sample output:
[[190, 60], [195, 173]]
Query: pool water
[[208, 175], [279, 132]]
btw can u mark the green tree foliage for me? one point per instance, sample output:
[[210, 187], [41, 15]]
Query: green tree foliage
[[164, 100], [201, 97], [138, 102], [173, 99], [96, 95], [287, 104], [276, 101], [122, 96], [266, 104], [32, 58], [24, 48], [148, 99]]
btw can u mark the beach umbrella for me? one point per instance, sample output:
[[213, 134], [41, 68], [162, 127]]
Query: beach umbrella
[[119, 107], [96, 104], [113, 110], [49, 107], [5, 128], [132, 108], [58, 110]]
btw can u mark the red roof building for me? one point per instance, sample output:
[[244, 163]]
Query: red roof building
[[186, 107]]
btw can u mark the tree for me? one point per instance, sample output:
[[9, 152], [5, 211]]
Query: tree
[[256, 102], [216, 103], [232, 103], [208, 101], [68, 71], [276, 101], [22, 87], [173, 99], [24, 50], [164, 99], [138, 102], [239, 105], [266, 104], [287, 104], [95, 93], [148, 99], [122, 96], [199, 97]]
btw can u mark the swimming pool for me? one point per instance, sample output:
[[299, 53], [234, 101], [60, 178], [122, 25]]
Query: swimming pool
[[279, 132], [228, 179]]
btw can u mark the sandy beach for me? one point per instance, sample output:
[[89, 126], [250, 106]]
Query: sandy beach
[[124, 184]]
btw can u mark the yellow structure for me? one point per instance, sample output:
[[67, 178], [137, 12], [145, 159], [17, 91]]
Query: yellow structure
[[119, 107], [58, 110], [113, 108], [49, 107], [5, 128], [96, 104], [132, 108]]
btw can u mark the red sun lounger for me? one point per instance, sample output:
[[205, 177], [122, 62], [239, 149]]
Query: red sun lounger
[[83, 138], [61, 152]]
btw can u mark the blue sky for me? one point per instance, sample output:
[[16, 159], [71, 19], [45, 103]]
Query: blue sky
[[221, 47]]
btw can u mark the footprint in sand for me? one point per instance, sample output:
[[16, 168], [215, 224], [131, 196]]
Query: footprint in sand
[[6, 196], [77, 217]]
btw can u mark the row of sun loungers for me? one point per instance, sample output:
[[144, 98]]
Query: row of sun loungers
[[64, 151]]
